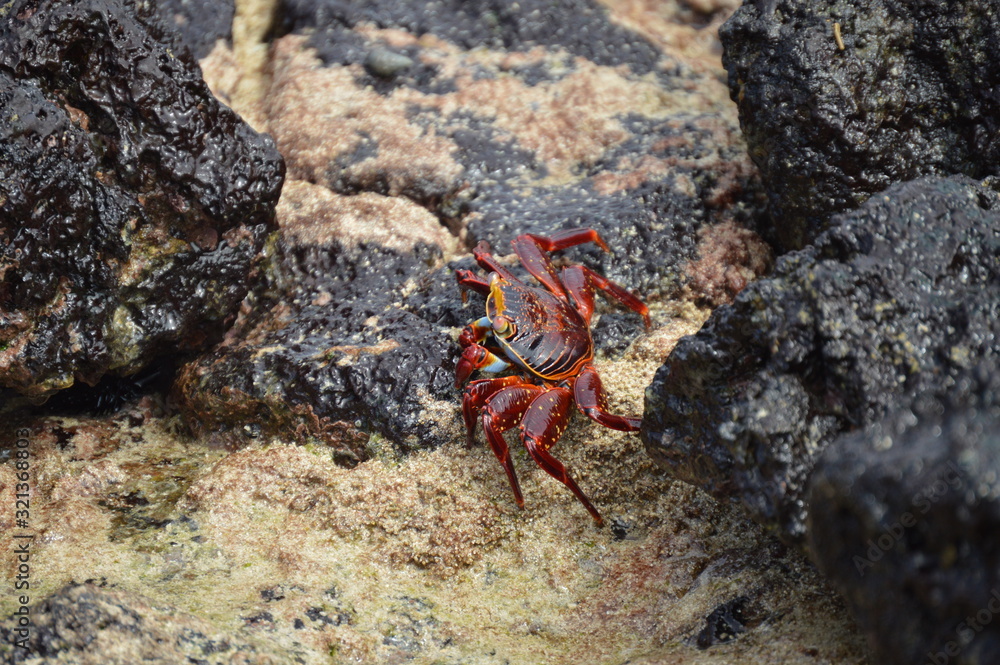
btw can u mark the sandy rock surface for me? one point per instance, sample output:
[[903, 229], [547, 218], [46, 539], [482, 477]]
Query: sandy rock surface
[[303, 493]]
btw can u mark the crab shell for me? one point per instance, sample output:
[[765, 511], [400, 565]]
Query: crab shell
[[549, 340]]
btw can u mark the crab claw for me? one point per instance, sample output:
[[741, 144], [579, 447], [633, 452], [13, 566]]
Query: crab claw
[[477, 357]]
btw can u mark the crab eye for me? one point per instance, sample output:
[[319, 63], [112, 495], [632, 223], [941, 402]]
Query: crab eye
[[502, 326]]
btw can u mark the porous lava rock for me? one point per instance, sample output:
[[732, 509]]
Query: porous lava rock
[[91, 623], [132, 203], [897, 298], [839, 99], [515, 118], [199, 25], [412, 131], [903, 517], [578, 27], [350, 334]]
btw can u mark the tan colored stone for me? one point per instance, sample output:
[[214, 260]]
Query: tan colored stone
[[313, 215], [319, 113]]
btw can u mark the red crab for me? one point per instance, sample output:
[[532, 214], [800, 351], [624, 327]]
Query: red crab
[[545, 334]]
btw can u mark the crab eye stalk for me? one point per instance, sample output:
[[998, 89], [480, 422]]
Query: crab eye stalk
[[502, 326]]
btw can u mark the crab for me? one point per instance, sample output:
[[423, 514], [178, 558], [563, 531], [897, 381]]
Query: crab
[[544, 334]]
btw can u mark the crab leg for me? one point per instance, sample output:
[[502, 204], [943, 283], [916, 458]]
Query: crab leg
[[476, 356], [531, 250], [581, 281], [468, 280], [487, 262], [538, 263], [542, 425], [575, 281], [477, 393], [502, 412], [589, 395], [568, 238]]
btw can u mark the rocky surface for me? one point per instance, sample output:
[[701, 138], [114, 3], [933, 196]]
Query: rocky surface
[[414, 130], [841, 98], [133, 203], [351, 338], [199, 25], [848, 401], [90, 624], [278, 551], [574, 121], [903, 517], [304, 494], [897, 298]]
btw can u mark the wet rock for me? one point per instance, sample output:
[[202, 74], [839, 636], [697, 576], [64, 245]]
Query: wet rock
[[724, 624], [352, 335], [652, 230], [133, 203], [555, 123], [653, 208], [579, 27], [199, 24], [903, 519], [524, 127], [89, 623], [907, 90], [897, 298]]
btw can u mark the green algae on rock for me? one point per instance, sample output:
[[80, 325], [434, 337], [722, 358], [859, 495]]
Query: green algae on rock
[[88, 623], [277, 551]]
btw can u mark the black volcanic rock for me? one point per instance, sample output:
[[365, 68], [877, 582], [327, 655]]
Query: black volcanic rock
[[578, 26], [199, 24], [903, 518], [412, 131], [94, 623], [911, 93], [898, 297], [132, 203], [346, 335]]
